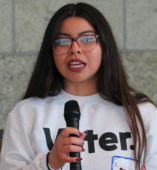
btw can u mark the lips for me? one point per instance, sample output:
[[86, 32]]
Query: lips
[[76, 65]]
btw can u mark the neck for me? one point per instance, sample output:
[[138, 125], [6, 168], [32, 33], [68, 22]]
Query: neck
[[80, 89]]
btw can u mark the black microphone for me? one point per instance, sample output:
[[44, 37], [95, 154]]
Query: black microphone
[[72, 117]]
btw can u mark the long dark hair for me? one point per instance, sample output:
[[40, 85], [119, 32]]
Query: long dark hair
[[112, 83]]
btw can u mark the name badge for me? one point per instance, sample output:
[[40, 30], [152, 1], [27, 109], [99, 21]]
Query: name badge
[[122, 163]]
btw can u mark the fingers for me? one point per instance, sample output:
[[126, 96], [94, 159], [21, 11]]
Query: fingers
[[72, 160], [70, 130], [84, 134], [72, 148], [73, 140]]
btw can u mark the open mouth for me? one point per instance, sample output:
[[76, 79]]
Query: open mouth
[[76, 64]]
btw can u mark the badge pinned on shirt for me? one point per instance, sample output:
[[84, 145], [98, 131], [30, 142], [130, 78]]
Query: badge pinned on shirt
[[122, 163]]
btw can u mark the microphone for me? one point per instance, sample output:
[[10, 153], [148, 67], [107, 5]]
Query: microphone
[[72, 117]]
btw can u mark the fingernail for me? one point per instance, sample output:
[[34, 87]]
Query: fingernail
[[80, 133], [78, 159], [86, 132], [83, 149]]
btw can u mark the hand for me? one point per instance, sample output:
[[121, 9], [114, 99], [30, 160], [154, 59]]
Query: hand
[[64, 144]]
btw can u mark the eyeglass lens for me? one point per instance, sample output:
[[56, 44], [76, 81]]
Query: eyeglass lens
[[85, 43]]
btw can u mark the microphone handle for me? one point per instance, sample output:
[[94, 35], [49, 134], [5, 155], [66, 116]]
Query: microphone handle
[[74, 122]]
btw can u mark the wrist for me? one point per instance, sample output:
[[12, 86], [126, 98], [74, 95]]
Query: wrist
[[50, 162], [47, 161], [50, 167]]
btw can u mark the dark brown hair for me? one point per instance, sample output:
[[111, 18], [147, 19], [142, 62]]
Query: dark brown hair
[[112, 83]]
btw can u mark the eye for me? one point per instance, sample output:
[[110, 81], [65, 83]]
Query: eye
[[62, 42], [87, 39]]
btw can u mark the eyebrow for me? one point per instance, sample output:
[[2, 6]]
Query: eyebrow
[[84, 32], [88, 31]]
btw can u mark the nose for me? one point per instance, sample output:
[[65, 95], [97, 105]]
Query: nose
[[75, 49]]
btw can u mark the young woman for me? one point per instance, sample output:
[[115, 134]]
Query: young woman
[[79, 60]]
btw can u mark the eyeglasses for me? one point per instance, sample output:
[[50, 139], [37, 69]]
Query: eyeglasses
[[85, 43]]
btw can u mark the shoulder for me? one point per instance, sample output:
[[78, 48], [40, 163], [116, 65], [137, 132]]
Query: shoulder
[[28, 104], [108, 106], [33, 107], [148, 111], [35, 102]]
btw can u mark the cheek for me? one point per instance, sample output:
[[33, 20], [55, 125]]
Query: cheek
[[94, 62], [96, 59], [97, 62], [59, 61], [99, 59]]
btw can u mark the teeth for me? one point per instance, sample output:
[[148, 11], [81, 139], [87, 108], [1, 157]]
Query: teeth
[[75, 63], [77, 66]]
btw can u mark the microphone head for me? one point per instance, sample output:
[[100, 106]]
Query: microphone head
[[71, 110]]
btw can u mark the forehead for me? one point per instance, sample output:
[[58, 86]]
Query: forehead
[[75, 25]]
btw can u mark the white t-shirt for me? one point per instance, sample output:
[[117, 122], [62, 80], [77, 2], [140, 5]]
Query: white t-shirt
[[34, 123]]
